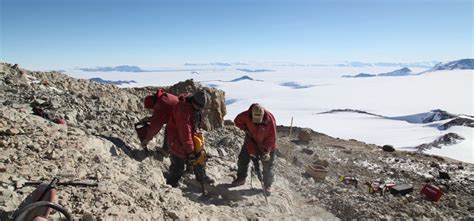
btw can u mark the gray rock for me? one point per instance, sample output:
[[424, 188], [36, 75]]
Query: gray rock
[[12, 131], [71, 119], [88, 217], [222, 152], [20, 183], [212, 152], [453, 204], [410, 198], [226, 142], [173, 215], [52, 155], [307, 150], [34, 147]]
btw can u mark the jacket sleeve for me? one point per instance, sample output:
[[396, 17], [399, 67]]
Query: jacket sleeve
[[270, 139], [156, 123], [185, 133], [241, 120]]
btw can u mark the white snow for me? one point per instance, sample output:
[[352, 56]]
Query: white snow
[[409, 96]]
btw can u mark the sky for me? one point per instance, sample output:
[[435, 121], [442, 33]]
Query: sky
[[86, 33]]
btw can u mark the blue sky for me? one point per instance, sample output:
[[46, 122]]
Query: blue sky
[[77, 33]]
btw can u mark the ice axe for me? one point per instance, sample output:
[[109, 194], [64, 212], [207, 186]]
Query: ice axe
[[256, 162]]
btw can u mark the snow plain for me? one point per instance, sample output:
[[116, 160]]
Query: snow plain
[[301, 92]]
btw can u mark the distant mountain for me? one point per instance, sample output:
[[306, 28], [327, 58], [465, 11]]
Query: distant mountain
[[121, 68], [361, 75], [296, 85], [254, 70], [427, 117], [462, 64], [119, 82], [209, 64], [430, 117], [424, 64], [245, 77], [399, 72]]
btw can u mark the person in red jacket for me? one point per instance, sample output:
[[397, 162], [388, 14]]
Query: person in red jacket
[[182, 128], [259, 144], [162, 104]]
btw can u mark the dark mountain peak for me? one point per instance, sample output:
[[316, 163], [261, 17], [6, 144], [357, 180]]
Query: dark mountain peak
[[463, 64], [400, 72]]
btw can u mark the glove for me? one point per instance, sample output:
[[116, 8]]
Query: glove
[[145, 120], [266, 157], [191, 158]]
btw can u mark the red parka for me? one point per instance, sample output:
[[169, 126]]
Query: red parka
[[263, 136], [181, 128], [162, 110]]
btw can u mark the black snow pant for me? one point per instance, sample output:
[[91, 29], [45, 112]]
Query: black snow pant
[[243, 165], [176, 171]]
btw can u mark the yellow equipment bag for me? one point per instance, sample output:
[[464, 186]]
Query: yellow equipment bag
[[198, 141], [199, 151]]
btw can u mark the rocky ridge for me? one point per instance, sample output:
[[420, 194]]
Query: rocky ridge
[[98, 144]]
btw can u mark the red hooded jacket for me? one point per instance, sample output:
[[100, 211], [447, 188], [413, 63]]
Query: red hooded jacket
[[262, 136], [181, 128], [162, 110]]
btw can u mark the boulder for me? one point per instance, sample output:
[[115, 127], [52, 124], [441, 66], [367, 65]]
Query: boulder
[[213, 114], [229, 122], [307, 151], [388, 148], [304, 135]]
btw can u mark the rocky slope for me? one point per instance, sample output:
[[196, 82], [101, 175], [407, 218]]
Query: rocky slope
[[97, 144]]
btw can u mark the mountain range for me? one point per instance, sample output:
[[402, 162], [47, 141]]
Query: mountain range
[[463, 64], [121, 68], [399, 72]]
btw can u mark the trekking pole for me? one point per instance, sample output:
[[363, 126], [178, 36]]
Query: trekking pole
[[291, 127], [199, 171], [71, 183], [202, 188], [251, 177]]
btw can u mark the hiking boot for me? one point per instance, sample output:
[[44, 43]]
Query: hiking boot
[[268, 190], [239, 181], [209, 180]]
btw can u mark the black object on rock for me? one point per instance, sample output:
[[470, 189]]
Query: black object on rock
[[444, 175], [388, 148], [401, 189], [307, 151]]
